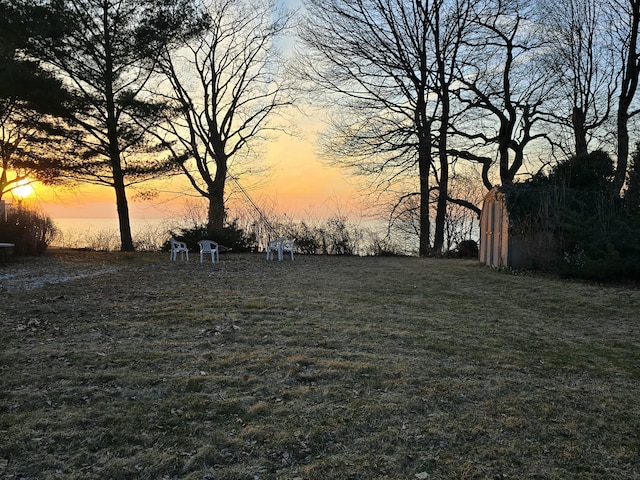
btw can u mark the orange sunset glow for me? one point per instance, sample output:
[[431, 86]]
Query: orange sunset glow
[[293, 181], [296, 183], [23, 190]]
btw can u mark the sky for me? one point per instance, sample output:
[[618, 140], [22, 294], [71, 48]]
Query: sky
[[297, 183]]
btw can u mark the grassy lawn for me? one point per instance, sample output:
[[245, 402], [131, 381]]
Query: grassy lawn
[[127, 366]]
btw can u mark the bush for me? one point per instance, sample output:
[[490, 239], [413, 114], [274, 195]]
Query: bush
[[336, 237], [30, 231], [384, 247], [306, 238], [577, 205], [466, 249], [230, 236], [332, 237]]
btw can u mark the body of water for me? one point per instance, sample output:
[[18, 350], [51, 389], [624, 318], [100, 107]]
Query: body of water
[[150, 234], [104, 233]]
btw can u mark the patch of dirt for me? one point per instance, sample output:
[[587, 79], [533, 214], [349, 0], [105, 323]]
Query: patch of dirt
[[25, 274]]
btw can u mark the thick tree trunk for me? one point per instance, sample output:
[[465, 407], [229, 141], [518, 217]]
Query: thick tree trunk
[[424, 167], [505, 141], [441, 207], [623, 150], [217, 212], [122, 205], [425, 222], [443, 186], [628, 88], [126, 239], [578, 120]]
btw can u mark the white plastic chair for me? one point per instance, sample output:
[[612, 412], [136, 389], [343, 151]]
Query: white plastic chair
[[209, 247], [279, 246], [178, 248], [274, 246], [287, 246]]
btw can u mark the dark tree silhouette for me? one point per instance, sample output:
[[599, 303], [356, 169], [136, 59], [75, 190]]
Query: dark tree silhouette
[[625, 24], [502, 90], [30, 100], [386, 66], [583, 65], [98, 52], [226, 87]]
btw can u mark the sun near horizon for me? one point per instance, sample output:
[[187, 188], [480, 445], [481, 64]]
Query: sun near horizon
[[295, 182], [23, 189]]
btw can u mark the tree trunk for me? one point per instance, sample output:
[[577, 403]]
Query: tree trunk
[[126, 240], [578, 121], [425, 223], [3, 178], [217, 212], [441, 209], [424, 167], [628, 89], [623, 149], [443, 186], [505, 140]]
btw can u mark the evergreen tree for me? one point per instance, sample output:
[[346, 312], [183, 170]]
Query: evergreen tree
[[97, 47], [31, 102]]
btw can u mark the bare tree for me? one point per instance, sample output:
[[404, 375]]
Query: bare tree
[[624, 22], [502, 89], [579, 57], [449, 24], [463, 211], [226, 87], [386, 67]]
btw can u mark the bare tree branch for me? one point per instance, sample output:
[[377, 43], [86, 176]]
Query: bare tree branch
[[226, 87]]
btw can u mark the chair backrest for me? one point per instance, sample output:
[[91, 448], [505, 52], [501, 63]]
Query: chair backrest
[[177, 245], [274, 244], [207, 245]]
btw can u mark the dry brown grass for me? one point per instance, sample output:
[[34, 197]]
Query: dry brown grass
[[127, 366]]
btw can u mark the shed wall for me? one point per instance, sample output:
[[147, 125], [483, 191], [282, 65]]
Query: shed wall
[[494, 231]]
